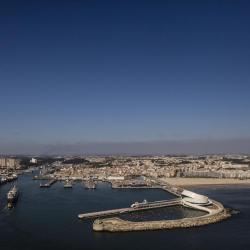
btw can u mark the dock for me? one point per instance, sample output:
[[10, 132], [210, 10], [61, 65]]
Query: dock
[[48, 184], [142, 207]]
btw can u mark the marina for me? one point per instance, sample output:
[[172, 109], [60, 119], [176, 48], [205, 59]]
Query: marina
[[215, 212], [37, 204]]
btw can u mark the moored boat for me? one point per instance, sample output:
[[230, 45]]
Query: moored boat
[[12, 195], [68, 184]]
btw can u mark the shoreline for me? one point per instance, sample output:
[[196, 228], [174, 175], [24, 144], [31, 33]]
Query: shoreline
[[207, 182]]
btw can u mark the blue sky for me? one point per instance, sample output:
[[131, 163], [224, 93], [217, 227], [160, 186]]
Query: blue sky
[[123, 71]]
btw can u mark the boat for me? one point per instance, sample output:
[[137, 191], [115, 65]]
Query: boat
[[11, 177], [45, 185], [137, 204], [90, 184], [3, 180], [68, 184], [12, 195]]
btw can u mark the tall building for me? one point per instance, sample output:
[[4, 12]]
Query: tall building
[[9, 163], [33, 160]]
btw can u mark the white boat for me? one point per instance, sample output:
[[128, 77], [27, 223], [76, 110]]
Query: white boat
[[140, 204], [12, 195], [68, 184]]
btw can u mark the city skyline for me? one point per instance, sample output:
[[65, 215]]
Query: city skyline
[[94, 77]]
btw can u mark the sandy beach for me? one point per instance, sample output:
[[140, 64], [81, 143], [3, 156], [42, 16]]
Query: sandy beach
[[192, 182]]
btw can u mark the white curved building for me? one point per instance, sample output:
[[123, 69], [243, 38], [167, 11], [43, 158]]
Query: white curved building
[[194, 198]]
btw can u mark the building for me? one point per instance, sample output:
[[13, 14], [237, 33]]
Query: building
[[9, 163], [33, 160]]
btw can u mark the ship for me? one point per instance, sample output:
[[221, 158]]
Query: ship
[[13, 195]]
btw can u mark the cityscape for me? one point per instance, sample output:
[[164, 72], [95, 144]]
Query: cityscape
[[137, 172], [228, 169], [124, 125]]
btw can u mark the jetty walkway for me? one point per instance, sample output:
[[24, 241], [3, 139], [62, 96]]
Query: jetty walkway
[[139, 207], [48, 184]]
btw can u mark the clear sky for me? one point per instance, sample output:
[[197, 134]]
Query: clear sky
[[86, 72]]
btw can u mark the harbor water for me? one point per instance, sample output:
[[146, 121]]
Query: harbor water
[[46, 218]]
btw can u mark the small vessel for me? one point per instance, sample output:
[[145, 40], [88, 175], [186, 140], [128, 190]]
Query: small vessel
[[12, 195], [3, 180], [140, 204], [11, 177], [90, 184], [45, 185], [68, 184]]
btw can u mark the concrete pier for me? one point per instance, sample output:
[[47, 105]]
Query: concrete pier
[[48, 184], [146, 206]]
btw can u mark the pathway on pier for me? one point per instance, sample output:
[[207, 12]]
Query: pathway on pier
[[150, 205], [48, 184]]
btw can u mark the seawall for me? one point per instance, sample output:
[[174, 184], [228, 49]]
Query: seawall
[[119, 225]]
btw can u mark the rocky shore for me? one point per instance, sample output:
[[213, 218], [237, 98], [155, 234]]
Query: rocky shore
[[119, 225]]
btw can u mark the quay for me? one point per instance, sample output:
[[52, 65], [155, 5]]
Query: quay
[[140, 207], [48, 184]]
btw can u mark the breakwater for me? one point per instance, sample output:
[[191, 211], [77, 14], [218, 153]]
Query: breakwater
[[119, 225]]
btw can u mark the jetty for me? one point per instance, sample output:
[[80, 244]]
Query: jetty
[[47, 184], [109, 220], [134, 207]]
